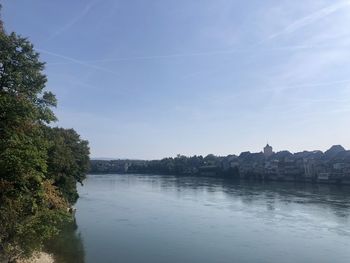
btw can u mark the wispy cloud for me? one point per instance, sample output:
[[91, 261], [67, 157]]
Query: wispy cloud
[[167, 56], [72, 22], [191, 54], [308, 85], [75, 61], [307, 20]]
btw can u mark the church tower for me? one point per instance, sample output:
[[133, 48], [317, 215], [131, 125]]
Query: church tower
[[268, 150]]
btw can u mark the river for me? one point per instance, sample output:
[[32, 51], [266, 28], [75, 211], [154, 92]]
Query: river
[[151, 218]]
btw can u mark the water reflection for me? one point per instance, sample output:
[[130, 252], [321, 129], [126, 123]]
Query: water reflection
[[67, 247], [333, 197]]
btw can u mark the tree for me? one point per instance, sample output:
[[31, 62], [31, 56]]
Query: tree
[[36, 183], [68, 160], [24, 109]]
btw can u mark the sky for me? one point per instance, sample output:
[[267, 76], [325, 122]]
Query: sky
[[148, 79]]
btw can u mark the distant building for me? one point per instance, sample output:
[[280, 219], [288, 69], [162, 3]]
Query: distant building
[[310, 168], [268, 150]]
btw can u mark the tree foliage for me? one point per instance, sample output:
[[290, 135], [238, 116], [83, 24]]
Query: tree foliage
[[39, 165], [68, 160]]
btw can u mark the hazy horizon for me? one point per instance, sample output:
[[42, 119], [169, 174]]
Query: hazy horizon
[[152, 79]]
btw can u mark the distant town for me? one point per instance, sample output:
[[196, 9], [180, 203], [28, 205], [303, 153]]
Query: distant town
[[331, 166]]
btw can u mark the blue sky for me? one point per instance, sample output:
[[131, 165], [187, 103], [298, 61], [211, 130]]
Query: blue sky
[[149, 79]]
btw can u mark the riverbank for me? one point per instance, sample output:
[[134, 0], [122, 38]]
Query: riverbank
[[40, 257]]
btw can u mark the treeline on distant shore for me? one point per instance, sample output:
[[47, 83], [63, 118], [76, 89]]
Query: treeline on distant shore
[[332, 166], [39, 165], [179, 165]]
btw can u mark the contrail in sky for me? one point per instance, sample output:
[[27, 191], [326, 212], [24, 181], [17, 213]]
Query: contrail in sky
[[309, 19], [309, 85], [181, 55], [294, 26], [71, 23], [75, 61]]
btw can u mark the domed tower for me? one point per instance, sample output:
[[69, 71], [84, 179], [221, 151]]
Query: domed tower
[[268, 150]]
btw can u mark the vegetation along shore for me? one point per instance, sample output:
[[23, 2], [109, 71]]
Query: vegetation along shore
[[40, 165]]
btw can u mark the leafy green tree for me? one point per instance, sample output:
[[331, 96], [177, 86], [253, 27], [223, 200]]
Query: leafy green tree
[[68, 161], [36, 183], [24, 109]]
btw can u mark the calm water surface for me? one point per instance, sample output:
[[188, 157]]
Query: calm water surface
[[138, 218]]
